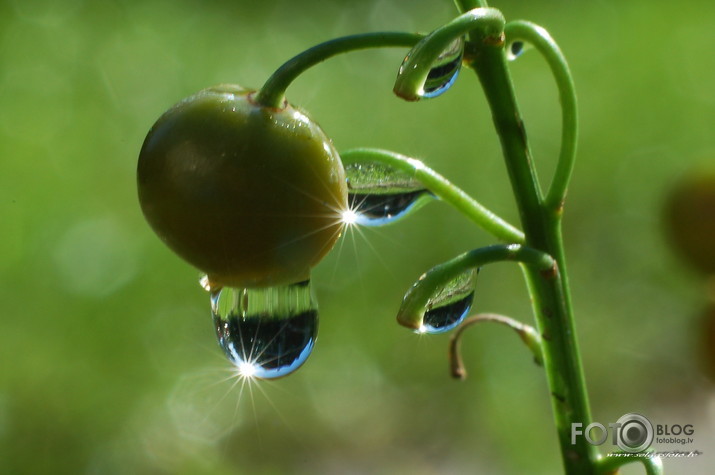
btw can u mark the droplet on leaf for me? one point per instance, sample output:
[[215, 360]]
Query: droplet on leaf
[[443, 70], [379, 194], [450, 304]]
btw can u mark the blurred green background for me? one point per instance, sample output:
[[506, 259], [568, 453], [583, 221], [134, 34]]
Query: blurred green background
[[109, 361]]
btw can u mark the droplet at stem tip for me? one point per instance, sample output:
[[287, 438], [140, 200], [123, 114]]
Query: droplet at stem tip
[[411, 323], [407, 96]]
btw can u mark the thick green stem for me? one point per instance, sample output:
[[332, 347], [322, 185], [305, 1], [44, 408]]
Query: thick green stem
[[549, 290], [273, 91]]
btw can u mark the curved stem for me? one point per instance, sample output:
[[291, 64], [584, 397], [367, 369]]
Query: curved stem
[[483, 25], [273, 91], [440, 187], [545, 44], [417, 298], [550, 293], [610, 464], [527, 333]]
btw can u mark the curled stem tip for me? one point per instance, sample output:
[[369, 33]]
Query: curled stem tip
[[541, 40], [482, 25], [528, 335], [417, 299]]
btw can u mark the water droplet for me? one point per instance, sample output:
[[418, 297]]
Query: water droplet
[[450, 305], [515, 49], [379, 194], [266, 332], [380, 209], [443, 71]]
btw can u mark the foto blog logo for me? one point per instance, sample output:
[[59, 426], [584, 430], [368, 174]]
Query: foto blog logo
[[632, 433]]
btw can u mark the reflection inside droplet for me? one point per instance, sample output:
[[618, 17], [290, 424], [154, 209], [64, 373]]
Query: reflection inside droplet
[[379, 194], [444, 318], [266, 332], [450, 305], [444, 70], [383, 208]]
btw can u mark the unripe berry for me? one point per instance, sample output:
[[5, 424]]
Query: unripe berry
[[250, 195]]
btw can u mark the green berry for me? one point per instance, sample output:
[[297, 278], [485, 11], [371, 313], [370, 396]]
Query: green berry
[[250, 195]]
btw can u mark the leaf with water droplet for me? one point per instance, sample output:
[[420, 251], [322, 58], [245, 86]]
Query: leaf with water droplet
[[432, 64], [379, 194], [424, 75], [449, 286], [266, 332], [444, 71], [385, 185], [439, 305], [450, 304]]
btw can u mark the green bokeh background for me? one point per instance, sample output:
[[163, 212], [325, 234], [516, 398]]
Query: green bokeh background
[[109, 362]]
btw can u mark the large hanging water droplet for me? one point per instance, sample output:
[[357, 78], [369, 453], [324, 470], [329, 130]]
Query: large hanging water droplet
[[448, 307], [443, 71], [266, 332], [379, 194]]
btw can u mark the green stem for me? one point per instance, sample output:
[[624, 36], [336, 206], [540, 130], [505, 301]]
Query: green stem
[[545, 44], [440, 187], [417, 298], [549, 291], [273, 91], [609, 465], [527, 333]]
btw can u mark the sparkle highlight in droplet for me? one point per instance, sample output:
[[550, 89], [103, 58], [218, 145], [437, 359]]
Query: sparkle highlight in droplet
[[246, 370], [349, 217]]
